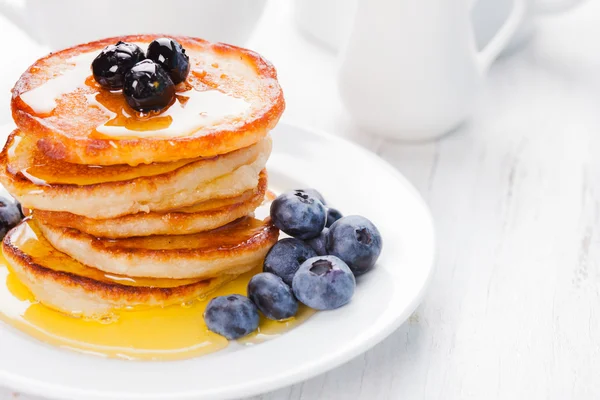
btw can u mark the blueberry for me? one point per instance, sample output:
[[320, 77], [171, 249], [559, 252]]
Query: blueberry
[[10, 215], [355, 240], [299, 214], [231, 316], [171, 56], [314, 193], [272, 296], [324, 283], [332, 216], [285, 258], [148, 87], [113, 62], [319, 243]]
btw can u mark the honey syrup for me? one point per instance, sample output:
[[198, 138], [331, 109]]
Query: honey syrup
[[200, 102], [168, 333], [196, 105], [25, 158], [158, 333]]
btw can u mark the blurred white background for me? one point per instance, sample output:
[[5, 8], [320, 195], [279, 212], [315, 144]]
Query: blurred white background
[[513, 309]]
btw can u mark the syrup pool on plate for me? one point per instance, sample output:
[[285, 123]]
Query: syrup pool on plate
[[173, 332]]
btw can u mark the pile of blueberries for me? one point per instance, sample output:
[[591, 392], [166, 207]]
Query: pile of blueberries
[[316, 266], [147, 80]]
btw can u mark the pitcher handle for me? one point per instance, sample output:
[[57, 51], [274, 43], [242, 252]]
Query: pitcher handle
[[503, 36], [551, 7], [14, 10]]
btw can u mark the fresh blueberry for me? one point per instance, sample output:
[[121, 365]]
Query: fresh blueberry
[[272, 296], [148, 87], [10, 215], [171, 56], [314, 193], [285, 258], [299, 214], [113, 62], [319, 243], [324, 283], [355, 240], [231, 316], [332, 216]]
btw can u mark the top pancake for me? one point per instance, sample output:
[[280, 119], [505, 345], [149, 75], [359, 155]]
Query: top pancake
[[58, 101]]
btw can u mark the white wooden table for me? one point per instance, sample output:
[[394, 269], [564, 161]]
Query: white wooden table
[[513, 311]]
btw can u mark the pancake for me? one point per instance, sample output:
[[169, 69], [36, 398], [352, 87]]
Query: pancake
[[234, 248], [218, 177], [230, 100], [24, 157], [61, 283], [199, 217]]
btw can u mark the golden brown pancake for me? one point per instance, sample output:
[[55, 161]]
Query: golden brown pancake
[[24, 157], [219, 177], [69, 129], [204, 216], [64, 284], [233, 248]]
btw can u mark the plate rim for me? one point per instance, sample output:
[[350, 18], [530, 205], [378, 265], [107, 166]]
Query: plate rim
[[50, 390]]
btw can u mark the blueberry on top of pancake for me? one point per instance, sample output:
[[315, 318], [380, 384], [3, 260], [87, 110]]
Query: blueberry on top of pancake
[[113, 62], [171, 56]]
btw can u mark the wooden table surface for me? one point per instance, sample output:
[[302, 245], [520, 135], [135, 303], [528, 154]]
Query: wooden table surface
[[513, 311]]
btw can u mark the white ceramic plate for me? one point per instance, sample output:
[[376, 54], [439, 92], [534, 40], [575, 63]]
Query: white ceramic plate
[[351, 179]]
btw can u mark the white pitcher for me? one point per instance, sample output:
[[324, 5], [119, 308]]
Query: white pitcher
[[410, 69], [329, 21], [488, 15]]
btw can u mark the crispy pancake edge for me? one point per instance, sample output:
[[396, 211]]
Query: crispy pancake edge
[[54, 173], [121, 227], [175, 263], [108, 291], [38, 196]]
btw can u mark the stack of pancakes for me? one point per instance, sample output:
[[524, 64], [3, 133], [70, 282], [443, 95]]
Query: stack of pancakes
[[130, 210]]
